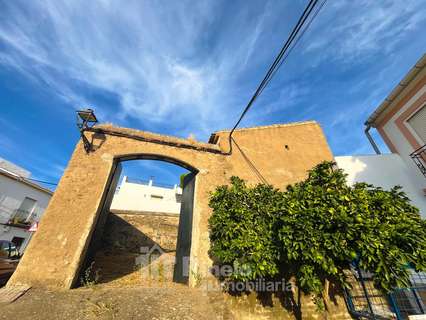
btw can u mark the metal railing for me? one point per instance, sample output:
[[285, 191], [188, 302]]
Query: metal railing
[[365, 301], [412, 300], [419, 158], [22, 218], [17, 217], [146, 182]]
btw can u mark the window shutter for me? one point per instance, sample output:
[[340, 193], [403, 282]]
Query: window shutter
[[418, 123]]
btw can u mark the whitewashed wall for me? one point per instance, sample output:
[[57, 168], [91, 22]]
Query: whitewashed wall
[[12, 193], [146, 198], [386, 171], [399, 141]]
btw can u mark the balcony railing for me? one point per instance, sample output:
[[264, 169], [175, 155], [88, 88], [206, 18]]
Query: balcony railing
[[419, 158], [21, 218], [17, 217], [146, 182]]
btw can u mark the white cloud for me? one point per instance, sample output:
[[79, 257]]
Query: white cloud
[[358, 29], [186, 67], [150, 57]]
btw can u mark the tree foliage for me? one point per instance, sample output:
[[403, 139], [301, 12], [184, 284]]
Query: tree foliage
[[181, 179], [315, 229], [243, 229]]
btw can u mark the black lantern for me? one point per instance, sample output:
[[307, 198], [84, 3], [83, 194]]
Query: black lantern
[[86, 119]]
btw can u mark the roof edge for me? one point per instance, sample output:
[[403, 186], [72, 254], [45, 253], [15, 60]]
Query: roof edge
[[281, 125], [409, 77], [15, 177], [155, 137]]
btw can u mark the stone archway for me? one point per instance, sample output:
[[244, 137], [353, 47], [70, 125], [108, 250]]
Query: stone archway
[[160, 157], [99, 243], [184, 237], [278, 154]]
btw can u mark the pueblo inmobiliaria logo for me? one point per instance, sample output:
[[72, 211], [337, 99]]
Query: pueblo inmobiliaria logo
[[155, 264]]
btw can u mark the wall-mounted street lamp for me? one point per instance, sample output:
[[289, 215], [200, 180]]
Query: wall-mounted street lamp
[[86, 119]]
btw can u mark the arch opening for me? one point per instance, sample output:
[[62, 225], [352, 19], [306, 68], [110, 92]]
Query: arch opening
[[156, 157], [143, 231]]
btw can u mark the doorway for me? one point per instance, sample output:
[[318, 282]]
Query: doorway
[[144, 230]]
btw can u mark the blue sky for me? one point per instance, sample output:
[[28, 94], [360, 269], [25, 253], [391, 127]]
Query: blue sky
[[189, 67]]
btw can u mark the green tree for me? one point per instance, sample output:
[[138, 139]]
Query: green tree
[[315, 229], [182, 178], [242, 229]]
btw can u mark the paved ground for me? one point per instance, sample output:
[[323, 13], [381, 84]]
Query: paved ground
[[103, 302]]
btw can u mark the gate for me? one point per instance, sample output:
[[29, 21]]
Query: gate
[[365, 301]]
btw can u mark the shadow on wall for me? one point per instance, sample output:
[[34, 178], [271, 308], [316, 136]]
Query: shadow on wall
[[286, 304], [126, 250], [97, 141], [250, 163]]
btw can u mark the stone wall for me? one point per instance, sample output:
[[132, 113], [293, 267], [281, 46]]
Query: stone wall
[[285, 306], [278, 154], [132, 231], [124, 235]]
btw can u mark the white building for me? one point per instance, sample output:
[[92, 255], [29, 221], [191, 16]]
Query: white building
[[146, 197], [22, 204], [401, 122]]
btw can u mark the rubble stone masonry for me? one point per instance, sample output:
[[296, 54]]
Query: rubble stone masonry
[[277, 154]]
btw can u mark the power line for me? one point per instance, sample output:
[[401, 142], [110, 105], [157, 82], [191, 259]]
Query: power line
[[40, 181], [295, 42], [25, 178], [290, 43]]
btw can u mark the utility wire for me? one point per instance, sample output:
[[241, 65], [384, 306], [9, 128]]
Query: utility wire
[[30, 179], [295, 42], [283, 54], [278, 58], [36, 180]]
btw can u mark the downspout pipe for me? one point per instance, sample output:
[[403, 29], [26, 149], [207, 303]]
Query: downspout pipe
[[370, 138]]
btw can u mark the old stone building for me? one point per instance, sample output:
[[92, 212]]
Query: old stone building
[[277, 154]]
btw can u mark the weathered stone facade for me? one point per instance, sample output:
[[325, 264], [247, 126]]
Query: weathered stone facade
[[131, 231], [280, 306], [278, 154], [124, 234]]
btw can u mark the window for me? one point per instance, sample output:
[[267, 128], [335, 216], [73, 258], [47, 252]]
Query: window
[[13, 251], [418, 123], [4, 249], [25, 210], [8, 250], [18, 241]]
